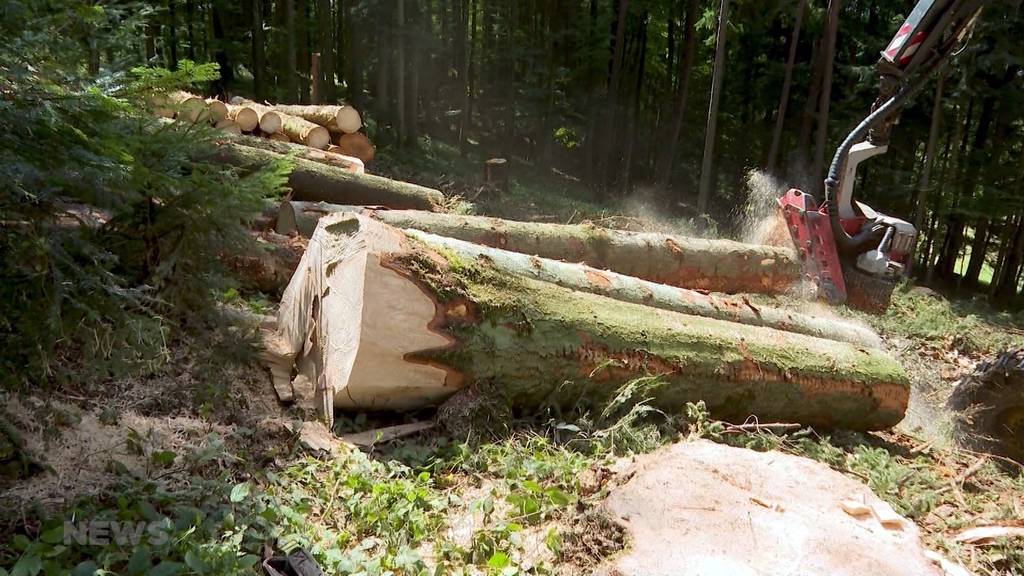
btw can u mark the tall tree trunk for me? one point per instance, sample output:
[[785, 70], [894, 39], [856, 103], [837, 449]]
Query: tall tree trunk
[[227, 72], [400, 70], [634, 115], [924, 184], [385, 49], [304, 55], [259, 54], [466, 122], [172, 28], [787, 82], [152, 31], [190, 11], [325, 33], [289, 73], [690, 48], [979, 247], [1006, 285], [801, 156], [711, 133], [412, 99], [829, 54], [612, 104]]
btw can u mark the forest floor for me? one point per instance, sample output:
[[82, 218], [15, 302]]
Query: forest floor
[[199, 448]]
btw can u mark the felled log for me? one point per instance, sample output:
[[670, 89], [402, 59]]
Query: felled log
[[314, 181], [379, 321], [246, 118], [270, 121], [188, 107], [277, 137], [229, 126], [217, 110], [302, 216], [695, 263], [305, 132], [270, 264], [343, 119], [346, 163], [358, 145]]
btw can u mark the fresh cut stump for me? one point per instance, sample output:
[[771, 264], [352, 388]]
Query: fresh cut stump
[[374, 319]]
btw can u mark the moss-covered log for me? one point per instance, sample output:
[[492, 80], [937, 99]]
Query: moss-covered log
[[695, 263], [379, 320], [314, 181]]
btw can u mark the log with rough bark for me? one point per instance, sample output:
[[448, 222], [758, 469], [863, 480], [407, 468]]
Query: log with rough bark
[[305, 132], [244, 116], [343, 119], [379, 321], [358, 145], [302, 216], [346, 163], [695, 263], [270, 121], [269, 266], [314, 181], [277, 137]]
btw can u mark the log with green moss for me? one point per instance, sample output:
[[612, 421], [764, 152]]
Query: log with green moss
[[318, 182], [695, 263], [380, 321]]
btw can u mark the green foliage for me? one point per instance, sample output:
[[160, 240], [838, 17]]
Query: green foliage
[[113, 224]]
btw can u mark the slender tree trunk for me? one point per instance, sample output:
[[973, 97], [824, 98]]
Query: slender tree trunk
[[831, 31], [259, 55], [289, 74], [801, 157], [412, 100], [466, 121], [305, 55], [190, 17], [690, 48], [706, 174], [787, 82], [979, 247], [152, 31], [924, 184], [385, 48], [400, 127], [325, 32], [1006, 286], [613, 93], [172, 28], [227, 72]]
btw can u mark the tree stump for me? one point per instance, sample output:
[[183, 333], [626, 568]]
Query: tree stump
[[496, 173]]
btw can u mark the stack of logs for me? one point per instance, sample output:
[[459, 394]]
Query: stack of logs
[[332, 129], [388, 302]]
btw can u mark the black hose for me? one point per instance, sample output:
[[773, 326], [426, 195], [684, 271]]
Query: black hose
[[845, 243]]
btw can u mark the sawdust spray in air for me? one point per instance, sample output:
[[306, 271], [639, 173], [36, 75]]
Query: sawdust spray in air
[[761, 221]]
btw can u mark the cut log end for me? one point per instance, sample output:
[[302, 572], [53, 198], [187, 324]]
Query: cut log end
[[348, 120], [245, 117], [319, 138], [217, 109], [270, 122], [358, 145]]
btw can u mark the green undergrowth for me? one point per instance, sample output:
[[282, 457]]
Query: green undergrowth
[[931, 320]]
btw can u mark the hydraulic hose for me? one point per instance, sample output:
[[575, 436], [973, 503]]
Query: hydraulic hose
[[869, 236]]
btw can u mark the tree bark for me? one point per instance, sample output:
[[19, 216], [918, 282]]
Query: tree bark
[[344, 119], [305, 132], [787, 83], [172, 28], [979, 248], [695, 263], [325, 39], [690, 48], [259, 54], [289, 74], [346, 163], [317, 182], [397, 325], [612, 106], [831, 30], [400, 126], [711, 133], [924, 184], [302, 218]]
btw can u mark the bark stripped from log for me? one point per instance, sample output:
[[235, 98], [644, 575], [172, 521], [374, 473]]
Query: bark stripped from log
[[378, 321], [358, 145], [346, 163], [343, 119], [695, 263], [295, 216], [245, 117], [305, 132], [314, 181]]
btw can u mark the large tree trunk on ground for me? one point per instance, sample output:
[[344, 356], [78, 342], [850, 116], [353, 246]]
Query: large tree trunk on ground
[[346, 163], [303, 216], [388, 323], [320, 183], [343, 119], [696, 263]]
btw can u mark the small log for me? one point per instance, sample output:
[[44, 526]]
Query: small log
[[244, 116], [346, 163], [305, 132], [344, 119], [277, 137], [314, 181], [189, 107], [229, 126], [302, 217], [695, 263], [385, 322], [270, 120], [358, 145], [217, 109]]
